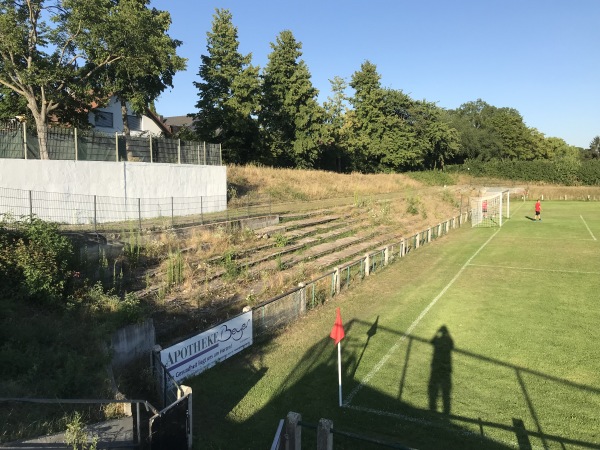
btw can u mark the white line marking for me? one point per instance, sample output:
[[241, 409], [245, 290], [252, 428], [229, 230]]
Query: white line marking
[[412, 326], [588, 228], [535, 269], [428, 423]]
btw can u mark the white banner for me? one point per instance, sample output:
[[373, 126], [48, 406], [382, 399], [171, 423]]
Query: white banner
[[204, 350]]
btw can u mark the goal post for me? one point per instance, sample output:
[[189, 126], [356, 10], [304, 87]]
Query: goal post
[[490, 209]]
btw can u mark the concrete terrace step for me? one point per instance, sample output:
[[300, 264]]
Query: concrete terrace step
[[332, 259]]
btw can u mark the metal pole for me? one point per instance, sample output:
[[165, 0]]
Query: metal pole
[[95, 221], [116, 147], [178, 151], [140, 213], [150, 141], [172, 214], [220, 155], [204, 151], [76, 146], [201, 211]]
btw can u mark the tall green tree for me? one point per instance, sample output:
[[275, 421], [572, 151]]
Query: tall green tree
[[335, 139], [149, 61], [383, 136], [53, 52], [595, 147], [291, 119], [228, 93]]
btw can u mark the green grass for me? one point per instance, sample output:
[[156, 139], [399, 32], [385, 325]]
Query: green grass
[[521, 306]]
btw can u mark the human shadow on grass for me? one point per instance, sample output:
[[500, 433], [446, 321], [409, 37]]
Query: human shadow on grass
[[440, 380], [530, 218], [225, 419]]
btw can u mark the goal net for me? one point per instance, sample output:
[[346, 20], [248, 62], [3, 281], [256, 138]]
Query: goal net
[[491, 209]]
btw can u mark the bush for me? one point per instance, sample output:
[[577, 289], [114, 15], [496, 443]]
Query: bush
[[35, 259]]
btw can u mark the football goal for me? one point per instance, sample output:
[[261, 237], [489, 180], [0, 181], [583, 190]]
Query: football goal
[[490, 209]]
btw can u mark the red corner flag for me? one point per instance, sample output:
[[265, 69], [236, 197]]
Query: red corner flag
[[337, 332]]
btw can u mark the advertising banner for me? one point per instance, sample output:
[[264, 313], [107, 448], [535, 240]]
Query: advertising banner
[[196, 354]]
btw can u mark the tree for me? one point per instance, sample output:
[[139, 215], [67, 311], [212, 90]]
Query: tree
[[383, 133], [290, 117], [595, 147], [228, 93], [149, 60], [334, 132], [57, 65]]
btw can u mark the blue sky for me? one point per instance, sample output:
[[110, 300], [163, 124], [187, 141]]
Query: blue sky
[[540, 57]]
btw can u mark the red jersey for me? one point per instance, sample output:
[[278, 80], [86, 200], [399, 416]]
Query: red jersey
[[538, 206]]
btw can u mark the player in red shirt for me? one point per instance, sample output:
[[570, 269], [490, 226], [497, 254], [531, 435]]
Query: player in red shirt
[[538, 210]]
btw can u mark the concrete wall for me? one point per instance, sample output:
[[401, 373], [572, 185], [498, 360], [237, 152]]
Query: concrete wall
[[64, 185], [132, 342], [114, 179]]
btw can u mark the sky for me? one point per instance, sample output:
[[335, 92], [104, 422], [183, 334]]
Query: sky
[[540, 57]]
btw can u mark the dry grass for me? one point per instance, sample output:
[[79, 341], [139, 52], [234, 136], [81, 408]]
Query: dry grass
[[293, 184]]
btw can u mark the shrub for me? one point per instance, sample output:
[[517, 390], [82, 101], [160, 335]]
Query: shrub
[[35, 259]]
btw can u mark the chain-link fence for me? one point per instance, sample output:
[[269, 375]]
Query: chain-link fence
[[19, 141]]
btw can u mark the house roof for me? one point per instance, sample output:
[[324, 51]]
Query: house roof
[[179, 121]]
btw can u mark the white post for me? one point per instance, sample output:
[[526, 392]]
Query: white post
[[204, 146], [508, 205], [150, 142], [340, 371], [501, 195], [178, 151], [116, 147]]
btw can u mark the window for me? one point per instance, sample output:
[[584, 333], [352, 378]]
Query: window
[[135, 123], [103, 119]]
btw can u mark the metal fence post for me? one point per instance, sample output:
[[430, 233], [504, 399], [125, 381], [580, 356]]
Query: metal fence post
[[201, 211], [116, 147], [178, 151], [150, 142], [95, 215], [204, 151], [220, 155], [172, 214]]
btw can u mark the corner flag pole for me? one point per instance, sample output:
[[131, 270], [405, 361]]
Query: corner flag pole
[[337, 334]]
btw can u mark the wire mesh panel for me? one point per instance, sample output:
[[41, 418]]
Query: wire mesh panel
[[137, 148], [60, 143], [352, 273], [11, 140], [165, 150], [95, 146], [269, 317], [213, 154]]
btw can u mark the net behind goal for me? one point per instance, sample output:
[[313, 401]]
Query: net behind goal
[[491, 209]]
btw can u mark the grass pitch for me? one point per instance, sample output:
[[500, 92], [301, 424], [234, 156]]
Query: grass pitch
[[520, 362]]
